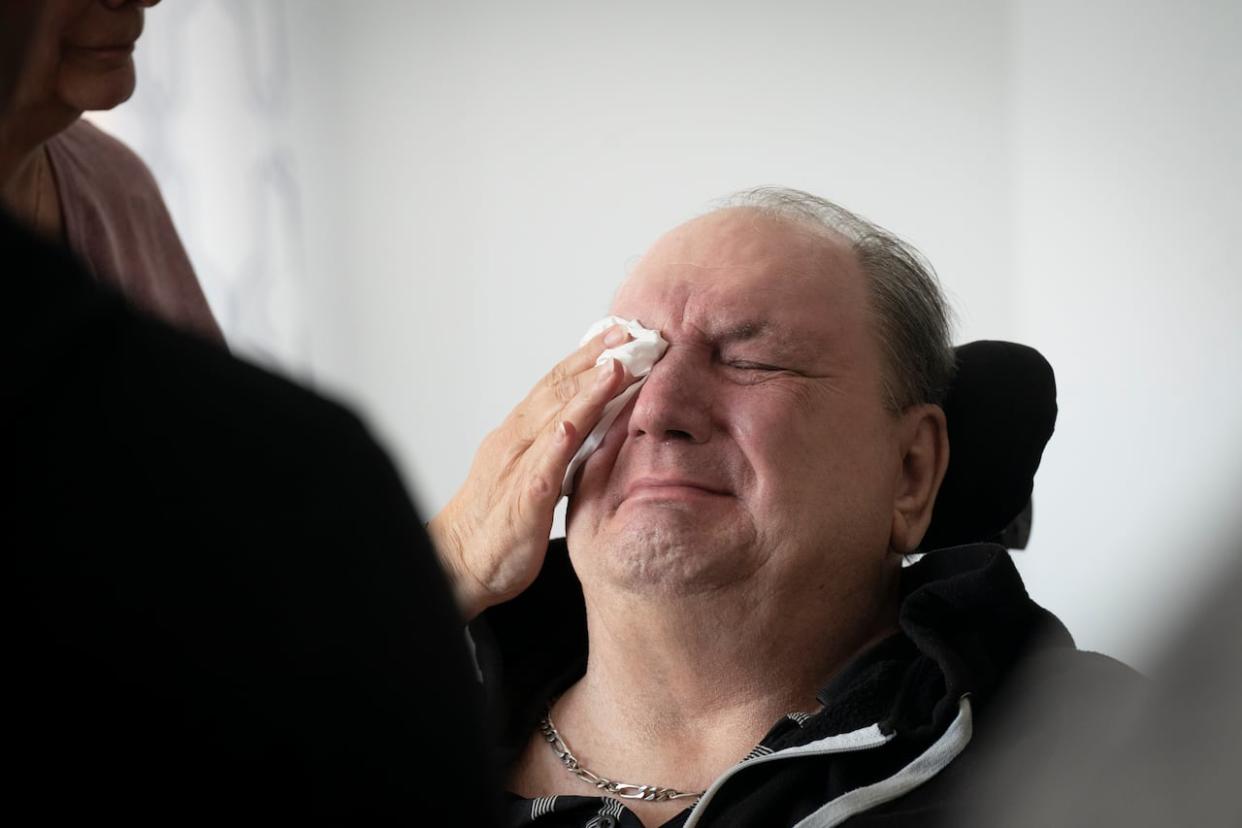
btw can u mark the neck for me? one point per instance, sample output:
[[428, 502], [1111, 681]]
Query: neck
[[678, 688]]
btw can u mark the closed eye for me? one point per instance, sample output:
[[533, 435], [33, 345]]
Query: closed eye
[[745, 365], [752, 366]]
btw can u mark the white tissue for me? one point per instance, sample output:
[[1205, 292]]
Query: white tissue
[[637, 355]]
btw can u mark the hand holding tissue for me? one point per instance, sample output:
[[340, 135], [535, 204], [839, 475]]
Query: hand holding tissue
[[493, 535]]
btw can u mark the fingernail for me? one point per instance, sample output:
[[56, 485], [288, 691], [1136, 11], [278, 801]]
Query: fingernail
[[615, 336], [605, 372]]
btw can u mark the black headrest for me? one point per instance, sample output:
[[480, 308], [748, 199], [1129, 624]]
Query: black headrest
[[1001, 410]]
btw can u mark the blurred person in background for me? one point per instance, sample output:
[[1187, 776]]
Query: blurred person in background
[[71, 182]]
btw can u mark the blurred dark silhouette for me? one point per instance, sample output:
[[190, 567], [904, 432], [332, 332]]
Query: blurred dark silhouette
[[223, 602]]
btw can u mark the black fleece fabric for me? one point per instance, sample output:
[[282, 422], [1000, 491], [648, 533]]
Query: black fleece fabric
[[967, 626]]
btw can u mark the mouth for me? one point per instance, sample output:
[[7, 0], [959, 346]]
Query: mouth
[[125, 44], [114, 41], [106, 54], [673, 488]]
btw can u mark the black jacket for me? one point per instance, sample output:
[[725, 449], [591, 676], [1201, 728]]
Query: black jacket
[[903, 725]]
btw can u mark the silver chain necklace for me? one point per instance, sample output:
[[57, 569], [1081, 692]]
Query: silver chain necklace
[[647, 793]]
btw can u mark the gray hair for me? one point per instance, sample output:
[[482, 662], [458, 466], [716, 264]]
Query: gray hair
[[913, 317]]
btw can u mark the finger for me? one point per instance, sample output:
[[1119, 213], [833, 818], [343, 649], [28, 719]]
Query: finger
[[549, 456], [564, 383], [565, 378], [586, 409]]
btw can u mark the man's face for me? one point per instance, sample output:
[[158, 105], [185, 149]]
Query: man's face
[[760, 449]]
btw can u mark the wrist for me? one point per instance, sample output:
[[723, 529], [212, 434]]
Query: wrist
[[450, 551]]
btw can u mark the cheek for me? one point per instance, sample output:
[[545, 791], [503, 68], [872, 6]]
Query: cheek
[[771, 424], [776, 444], [813, 452], [39, 72]]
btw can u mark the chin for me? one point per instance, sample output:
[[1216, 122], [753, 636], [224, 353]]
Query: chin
[[667, 557], [87, 91]]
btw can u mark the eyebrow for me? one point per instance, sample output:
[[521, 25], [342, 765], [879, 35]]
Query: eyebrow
[[746, 331], [758, 329], [743, 331]]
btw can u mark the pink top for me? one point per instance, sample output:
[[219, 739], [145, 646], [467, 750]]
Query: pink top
[[116, 222]]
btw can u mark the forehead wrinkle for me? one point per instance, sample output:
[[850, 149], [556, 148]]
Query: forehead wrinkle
[[694, 312], [695, 271], [773, 336], [698, 266]]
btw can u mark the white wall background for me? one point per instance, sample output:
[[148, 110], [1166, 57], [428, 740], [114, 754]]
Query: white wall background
[[1127, 140], [419, 206]]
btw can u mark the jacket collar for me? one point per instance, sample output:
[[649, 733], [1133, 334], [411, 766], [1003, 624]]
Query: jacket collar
[[965, 619]]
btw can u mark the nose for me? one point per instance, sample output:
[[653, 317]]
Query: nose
[[676, 401]]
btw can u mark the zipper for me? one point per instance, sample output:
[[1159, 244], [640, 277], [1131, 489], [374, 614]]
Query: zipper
[[865, 738], [943, 751]]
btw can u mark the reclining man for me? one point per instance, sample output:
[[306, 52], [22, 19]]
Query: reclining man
[[736, 544]]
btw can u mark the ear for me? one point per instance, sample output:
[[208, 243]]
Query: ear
[[924, 442]]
